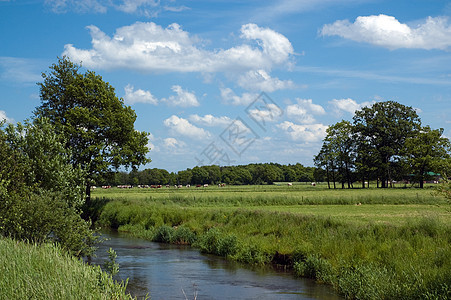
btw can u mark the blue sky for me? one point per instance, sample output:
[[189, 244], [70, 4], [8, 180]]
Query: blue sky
[[235, 82]]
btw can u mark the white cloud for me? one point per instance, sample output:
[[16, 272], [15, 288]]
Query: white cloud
[[80, 6], [184, 128], [260, 80], [229, 97], [183, 98], [210, 120], [173, 143], [147, 8], [269, 112], [132, 6], [348, 105], [387, 31], [21, 70], [138, 96], [305, 133], [304, 111], [4, 117], [151, 48]]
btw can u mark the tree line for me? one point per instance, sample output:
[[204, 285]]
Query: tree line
[[264, 173], [384, 143]]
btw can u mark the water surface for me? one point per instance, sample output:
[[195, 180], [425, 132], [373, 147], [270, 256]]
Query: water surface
[[175, 272]]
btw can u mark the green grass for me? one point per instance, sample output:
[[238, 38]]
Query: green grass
[[368, 244], [45, 272]]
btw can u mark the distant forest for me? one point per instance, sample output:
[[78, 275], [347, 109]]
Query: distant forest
[[266, 173]]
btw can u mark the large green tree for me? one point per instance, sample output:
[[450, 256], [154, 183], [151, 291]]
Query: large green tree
[[383, 129], [97, 126], [427, 151]]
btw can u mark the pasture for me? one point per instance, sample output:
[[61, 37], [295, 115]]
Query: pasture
[[367, 243]]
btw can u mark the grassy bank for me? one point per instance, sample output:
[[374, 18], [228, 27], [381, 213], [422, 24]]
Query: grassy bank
[[368, 244], [45, 272]]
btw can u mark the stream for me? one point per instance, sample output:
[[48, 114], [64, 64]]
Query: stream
[[166, 272]]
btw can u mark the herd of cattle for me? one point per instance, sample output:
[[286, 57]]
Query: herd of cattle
[[159, 186]]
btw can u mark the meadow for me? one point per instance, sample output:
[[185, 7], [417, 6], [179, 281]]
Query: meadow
[[367, 243], [29, 271]]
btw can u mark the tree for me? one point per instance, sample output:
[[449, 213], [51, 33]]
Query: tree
[[341, 141], [427, 151], [40, 191], [98, 127], [383, 128]]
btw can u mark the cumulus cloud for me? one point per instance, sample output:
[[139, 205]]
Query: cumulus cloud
[[210, 120], [266, 113], [387, 31], [306, 133], [173, 143], [151, 48], [348, 105], [260, 80], [4, 117], [184, 128], [182, 99], [138, 96], [304, 111], [229, 97]]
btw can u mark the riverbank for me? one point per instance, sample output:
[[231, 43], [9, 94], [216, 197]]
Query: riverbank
[[397, 248], [45, 272]]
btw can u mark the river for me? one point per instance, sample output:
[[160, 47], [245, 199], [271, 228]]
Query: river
[[176, 272]]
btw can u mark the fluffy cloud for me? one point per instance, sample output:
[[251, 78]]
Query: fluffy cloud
[[210, 120], [260, 80], [304, 111], [138, 96], [305, 133], [151, 48], [4, 117], [387, 31], [267, 113], [184, 128], [183, 98], [347, 105], [229, 97], [173, 143]]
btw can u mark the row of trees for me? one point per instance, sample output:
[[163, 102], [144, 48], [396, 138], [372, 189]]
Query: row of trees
[[236, 175], [385, 142]]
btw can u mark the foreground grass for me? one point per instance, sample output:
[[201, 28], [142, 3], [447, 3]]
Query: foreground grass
[[394, 244], [45, 272]]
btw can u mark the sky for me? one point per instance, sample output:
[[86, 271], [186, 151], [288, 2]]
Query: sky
[[235, 82]]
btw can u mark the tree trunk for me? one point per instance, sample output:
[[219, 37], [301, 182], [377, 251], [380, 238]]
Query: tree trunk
[[88, 194]]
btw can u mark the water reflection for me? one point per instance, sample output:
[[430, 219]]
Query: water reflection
[[173, 272]]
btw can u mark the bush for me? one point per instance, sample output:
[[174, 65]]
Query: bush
[[184, 236], [164, 234]]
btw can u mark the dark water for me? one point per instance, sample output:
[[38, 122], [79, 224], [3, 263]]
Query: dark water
[[173, 272]]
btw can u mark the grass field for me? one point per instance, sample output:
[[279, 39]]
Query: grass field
[[367, 243], [30, 271]]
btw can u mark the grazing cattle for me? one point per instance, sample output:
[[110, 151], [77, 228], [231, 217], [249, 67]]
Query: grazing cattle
[[159, 186], [188, 185], [198, 185], [179, 186], [206, 185], [289, 184], [167, 185], [313, 183]]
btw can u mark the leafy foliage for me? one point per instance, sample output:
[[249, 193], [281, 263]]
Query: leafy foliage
[[97, 126], [40, 191]]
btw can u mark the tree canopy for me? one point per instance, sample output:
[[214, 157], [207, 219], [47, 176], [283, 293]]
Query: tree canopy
[[384, 142], [97, 126]]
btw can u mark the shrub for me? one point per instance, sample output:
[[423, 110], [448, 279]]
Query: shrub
[[164, 234], [184, 236]]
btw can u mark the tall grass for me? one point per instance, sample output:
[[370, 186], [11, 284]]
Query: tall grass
[[370, 251], [46, 272]]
